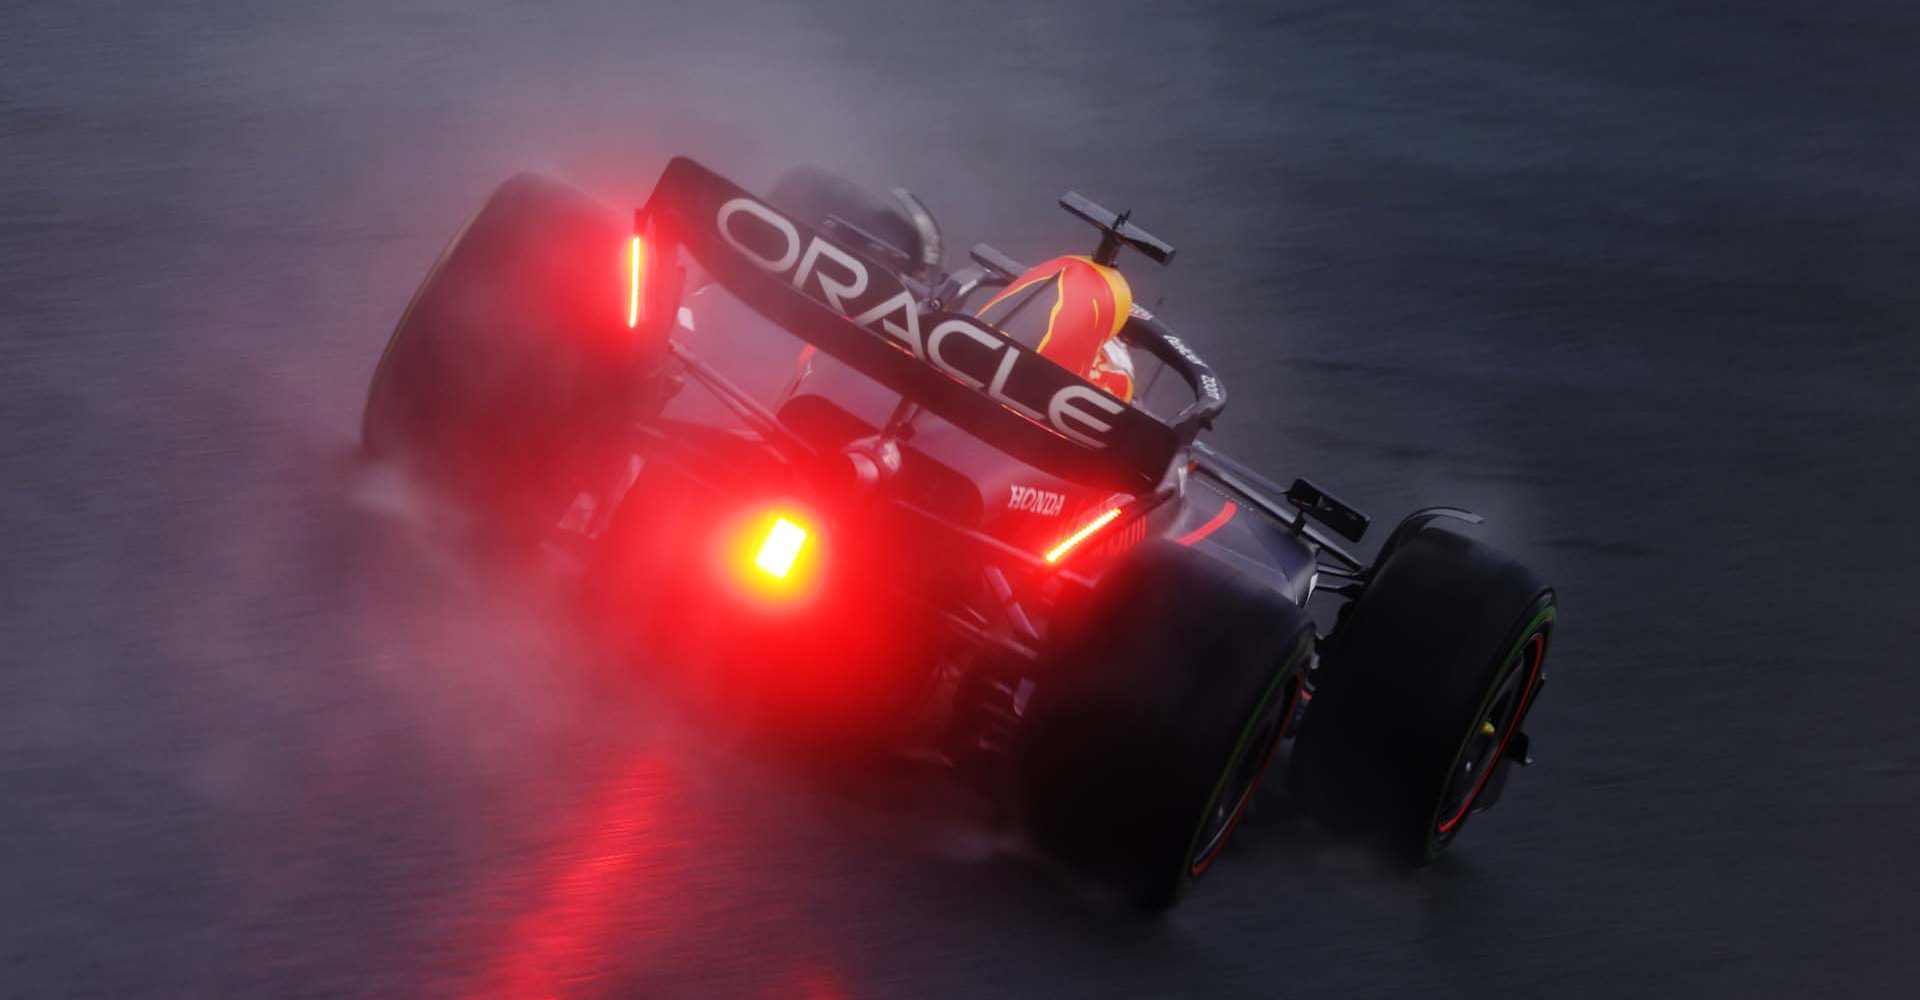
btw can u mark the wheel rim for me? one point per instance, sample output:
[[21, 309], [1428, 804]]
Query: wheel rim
[[1240, 778], [1493, 729]]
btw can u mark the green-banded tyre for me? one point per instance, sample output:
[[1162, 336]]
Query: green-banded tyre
[[1147, 736]]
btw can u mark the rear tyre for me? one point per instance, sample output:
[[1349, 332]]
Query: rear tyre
[[1143, 746], [511, 362], [1420, 692]]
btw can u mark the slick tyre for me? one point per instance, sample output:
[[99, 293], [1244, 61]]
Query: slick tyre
[[1146, 738], [1422, 688]]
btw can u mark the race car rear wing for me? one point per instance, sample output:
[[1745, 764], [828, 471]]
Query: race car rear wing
[[956, 366]]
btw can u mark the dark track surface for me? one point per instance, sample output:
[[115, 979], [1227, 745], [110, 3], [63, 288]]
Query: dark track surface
[[1636, 281]]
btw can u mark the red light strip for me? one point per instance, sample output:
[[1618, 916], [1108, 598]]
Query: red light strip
[[638, 256], [1086, 531], [1225, 515]]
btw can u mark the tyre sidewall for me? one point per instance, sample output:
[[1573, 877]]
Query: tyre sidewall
[[1150, 692]]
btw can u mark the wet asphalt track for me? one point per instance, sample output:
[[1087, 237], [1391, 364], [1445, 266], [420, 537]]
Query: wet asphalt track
[[1635, 279]]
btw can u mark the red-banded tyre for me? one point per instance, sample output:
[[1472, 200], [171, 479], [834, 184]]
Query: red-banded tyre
[[512, 363], [1146, 738], [1421, 694]]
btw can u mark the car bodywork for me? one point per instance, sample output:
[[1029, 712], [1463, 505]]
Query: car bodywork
[[955, 481]]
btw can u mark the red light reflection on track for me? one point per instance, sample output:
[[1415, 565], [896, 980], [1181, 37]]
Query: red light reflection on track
[[622, 894], [810, 984], [598, 884]]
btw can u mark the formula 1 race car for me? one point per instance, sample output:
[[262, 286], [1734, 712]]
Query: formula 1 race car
[[964, 514]]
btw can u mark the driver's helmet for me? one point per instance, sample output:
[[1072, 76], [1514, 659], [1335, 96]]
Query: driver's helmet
[[1070, 309]]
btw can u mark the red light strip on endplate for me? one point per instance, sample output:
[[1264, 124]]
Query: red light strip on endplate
[[638, 259], [1086, 531]]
